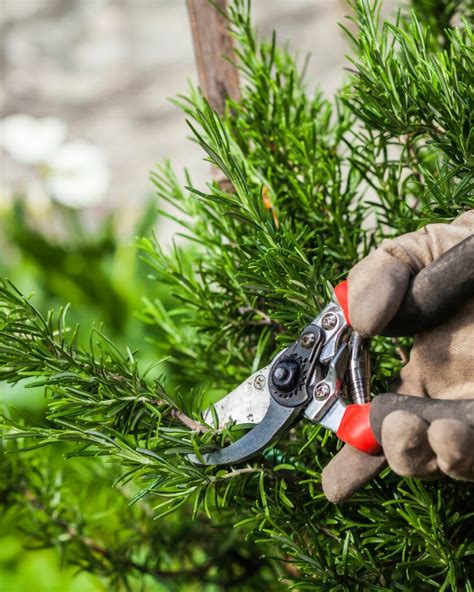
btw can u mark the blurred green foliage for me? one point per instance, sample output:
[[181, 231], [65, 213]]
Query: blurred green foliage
[[99, 273], [63, 257], [60, 256], [22, 570]]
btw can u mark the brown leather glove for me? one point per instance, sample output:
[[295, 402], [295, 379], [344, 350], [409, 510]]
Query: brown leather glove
[[441, 365]]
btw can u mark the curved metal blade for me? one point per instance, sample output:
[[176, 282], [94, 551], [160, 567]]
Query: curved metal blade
[[248, 403], [276, 421]]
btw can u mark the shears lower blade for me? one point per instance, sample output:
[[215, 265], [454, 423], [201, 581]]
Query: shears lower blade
[[276, 421]]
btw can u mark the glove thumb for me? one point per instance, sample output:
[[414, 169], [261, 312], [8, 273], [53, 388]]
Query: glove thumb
[[348, 471]]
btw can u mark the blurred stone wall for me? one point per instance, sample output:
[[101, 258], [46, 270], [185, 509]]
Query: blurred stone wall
[[109, 67]]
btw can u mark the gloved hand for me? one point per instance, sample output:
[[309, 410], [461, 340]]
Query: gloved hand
[[441, 365]]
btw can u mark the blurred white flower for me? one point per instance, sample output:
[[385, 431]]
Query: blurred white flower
[[75, 173], [78, 175], [31, 140]]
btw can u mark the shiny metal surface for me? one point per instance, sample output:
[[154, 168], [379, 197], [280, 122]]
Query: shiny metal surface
[[334, 334], [248, 403], [359, 370], [317, 408], [276, 421], [333, 417]]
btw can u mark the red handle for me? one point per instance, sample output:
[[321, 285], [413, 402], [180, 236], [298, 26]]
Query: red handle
[[341, 294], [355, 429]]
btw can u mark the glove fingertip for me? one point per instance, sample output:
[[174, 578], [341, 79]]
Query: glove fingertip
[[377, 285], [348, 471], [335, 491]]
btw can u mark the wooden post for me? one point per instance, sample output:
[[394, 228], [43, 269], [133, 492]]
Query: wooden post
[[218, 78]]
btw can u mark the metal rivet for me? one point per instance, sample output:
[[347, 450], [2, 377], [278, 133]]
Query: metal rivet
[[308, 340], [329, 321], [280, 373], [285, 375], [322, 391], [259, 382]]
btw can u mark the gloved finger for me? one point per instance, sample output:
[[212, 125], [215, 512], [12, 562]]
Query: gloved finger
[[349, 470], [376, 287], [436, 292], [378, 283], [406, 447], [453, 443]]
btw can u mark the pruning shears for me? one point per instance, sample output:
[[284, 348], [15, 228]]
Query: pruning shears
[[324, 376]]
